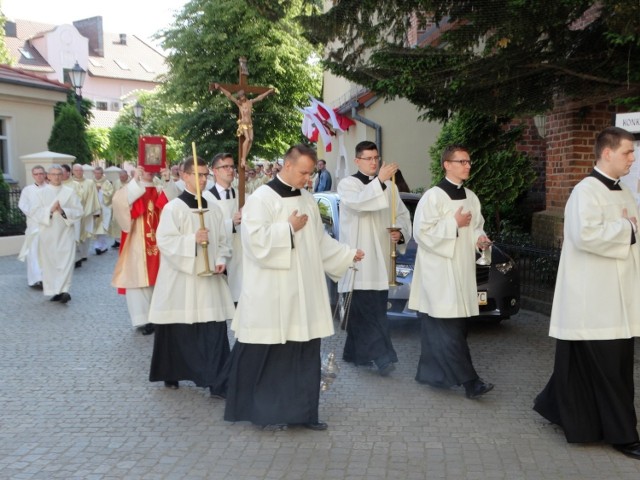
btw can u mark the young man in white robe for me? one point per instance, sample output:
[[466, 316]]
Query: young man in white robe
[[448, 227], [284, 312], [596, 306], [56, 209], [366, 203], [189, 310], [223, 191], [29, 251]]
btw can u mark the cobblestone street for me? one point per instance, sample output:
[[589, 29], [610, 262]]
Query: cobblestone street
[[76, 403]]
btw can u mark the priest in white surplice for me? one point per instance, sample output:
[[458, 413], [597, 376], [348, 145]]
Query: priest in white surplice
[[223, 191], [29, 251], [366, 203], [189, 311], [274, 372], [88, 194], [56, 209], [596, 306], [448, 227]]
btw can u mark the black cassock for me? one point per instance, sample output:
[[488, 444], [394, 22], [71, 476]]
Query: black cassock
[[274, 384], [590, 393], [445, 359]]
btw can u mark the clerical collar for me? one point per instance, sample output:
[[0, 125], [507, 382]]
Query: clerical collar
[[610, 183], [190, 199], [366, 179], [455, 192], [282, 189]]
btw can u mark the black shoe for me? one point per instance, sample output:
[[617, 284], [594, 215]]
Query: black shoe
[[78, 264], [147, 329], [385, 370], [477, 388], [317, 426], [275, 427], [172, 385], [83, 259], [100, 252], [37, 285], [629, 449], [64, 297], [217, 395], [56, 298], [115, 245]]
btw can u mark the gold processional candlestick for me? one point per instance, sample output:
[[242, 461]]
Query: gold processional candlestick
[[205, 245], [394, 253]]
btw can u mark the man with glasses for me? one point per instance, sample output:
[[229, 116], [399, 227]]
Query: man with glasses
[[223, 191], [29, 251], [56, 209], [448, 227], [366, 200], [189, 310]]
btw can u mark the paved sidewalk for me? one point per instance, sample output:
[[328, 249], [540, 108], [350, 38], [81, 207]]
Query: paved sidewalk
[[76, 403]]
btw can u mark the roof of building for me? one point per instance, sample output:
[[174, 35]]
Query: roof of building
[[120, 56], [18, 76], [127, 57]]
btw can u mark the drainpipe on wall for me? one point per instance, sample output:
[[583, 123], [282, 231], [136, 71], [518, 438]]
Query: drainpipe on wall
[[368, 123]]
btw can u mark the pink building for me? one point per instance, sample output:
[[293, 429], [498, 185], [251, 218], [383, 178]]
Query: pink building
[[117, 65]]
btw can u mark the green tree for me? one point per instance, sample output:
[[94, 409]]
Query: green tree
[[85, 107], [123, 143], [502, 58], [217, 33], [500, 174], [5, 57], [68, 135], [98, 140], [158, 118]]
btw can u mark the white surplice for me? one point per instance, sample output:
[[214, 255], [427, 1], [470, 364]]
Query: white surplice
[[284, 296], [444, 278], [180, 294], [596, 295], [234, 265], [365, 215]]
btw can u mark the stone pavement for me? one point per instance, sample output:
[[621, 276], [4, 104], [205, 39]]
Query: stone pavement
[[76, 403]]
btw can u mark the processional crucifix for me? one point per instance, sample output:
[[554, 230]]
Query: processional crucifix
[[245, 124]]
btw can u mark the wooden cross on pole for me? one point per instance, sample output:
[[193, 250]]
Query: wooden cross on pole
[[243, 86]]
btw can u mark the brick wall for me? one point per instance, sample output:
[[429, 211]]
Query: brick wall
[[536, 148], [570, 136]]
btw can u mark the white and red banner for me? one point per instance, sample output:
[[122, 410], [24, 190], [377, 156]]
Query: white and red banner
[[323, 122]]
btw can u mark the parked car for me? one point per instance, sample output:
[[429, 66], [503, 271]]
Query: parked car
[[498, 283]]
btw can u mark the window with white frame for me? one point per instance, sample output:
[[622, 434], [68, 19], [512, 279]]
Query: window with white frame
[[4, 146]]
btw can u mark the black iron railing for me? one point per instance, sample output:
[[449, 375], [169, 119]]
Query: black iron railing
[[12, 220], [538, 268]]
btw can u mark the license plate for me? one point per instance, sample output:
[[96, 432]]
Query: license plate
[[482, 298]]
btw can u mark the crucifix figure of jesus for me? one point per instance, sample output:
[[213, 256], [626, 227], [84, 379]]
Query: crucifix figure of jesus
[[245, 107], [245, 125]]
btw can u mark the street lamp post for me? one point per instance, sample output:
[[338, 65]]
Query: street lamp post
[[77, 75], [137, 112]]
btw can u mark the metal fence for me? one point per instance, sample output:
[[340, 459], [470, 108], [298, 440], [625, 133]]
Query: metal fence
[[12, 220], [538, 267]]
